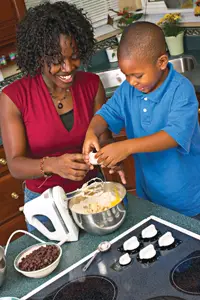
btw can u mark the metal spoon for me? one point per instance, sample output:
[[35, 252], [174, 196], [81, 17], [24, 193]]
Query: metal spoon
[[103, 247]]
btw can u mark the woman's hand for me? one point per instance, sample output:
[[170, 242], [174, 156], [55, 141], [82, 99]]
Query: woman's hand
[[70, 166], [110, 155]]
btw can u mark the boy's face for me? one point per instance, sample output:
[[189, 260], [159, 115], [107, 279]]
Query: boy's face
[[143, 75]]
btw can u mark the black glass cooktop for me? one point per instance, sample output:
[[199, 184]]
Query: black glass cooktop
[[165, 298], [172, 274], [88, 288], [185, 276]]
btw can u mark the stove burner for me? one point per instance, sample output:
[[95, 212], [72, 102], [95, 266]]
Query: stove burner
[[185, 276], [88, 288], [166, 298]]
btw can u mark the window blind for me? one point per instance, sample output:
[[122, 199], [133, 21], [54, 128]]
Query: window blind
[[32, 3], [97, 11]]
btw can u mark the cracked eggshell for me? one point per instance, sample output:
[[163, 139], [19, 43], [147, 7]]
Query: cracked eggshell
[[149, 232], [124, 259], [166, 239], [131, 244], [148, 252], [92, 159]]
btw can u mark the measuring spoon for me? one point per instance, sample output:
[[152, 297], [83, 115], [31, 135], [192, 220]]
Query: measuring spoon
[[103, 247]]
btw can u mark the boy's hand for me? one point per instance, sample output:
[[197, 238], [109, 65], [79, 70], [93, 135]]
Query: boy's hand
[[110, 155], [91, 142], [120, 170]]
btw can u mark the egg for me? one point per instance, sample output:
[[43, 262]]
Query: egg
[[149, 232], [148, 252], [92, 159], [125, 259], [131, 244], [166, 239]]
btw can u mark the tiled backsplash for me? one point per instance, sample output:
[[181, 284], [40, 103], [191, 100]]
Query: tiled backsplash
[[9, 80]]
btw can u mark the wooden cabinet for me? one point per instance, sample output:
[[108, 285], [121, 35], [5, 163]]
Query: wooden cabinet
[[11, 198], [3, 163], [10, 226], [10, 13], [129, 168]]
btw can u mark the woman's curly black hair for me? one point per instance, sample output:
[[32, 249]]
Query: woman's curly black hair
[[38, 35]]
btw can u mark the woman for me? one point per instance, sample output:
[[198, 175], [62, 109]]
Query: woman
[[44, 116]]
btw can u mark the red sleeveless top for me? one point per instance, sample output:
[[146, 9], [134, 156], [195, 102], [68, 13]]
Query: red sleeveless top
[[46, 134]]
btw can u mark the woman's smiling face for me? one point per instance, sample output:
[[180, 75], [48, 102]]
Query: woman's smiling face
[[62, 74]]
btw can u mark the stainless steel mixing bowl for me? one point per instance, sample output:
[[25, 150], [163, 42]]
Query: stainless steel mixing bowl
[[106, 221], [2, 266]]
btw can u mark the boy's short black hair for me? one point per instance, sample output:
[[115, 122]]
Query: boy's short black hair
[[39, 32], [143, 40]]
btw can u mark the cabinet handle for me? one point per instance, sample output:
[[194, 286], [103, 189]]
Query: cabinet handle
[[14, 195], [3, 162], [199, 110]]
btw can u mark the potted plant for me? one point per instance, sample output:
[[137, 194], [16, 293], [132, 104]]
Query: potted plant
[[174, 34], [197, 8], [126, 18], [112, 53]]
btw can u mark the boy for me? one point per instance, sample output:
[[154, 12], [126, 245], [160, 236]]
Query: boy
[[159, 110]]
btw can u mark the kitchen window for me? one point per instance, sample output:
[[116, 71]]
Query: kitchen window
[[155, 9], [167, 6], [96, 10], [32, 3]]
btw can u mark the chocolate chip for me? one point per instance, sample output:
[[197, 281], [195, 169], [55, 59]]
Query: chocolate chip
[[39, 258]]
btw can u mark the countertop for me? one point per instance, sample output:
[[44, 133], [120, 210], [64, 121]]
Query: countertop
[[17, 285]]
